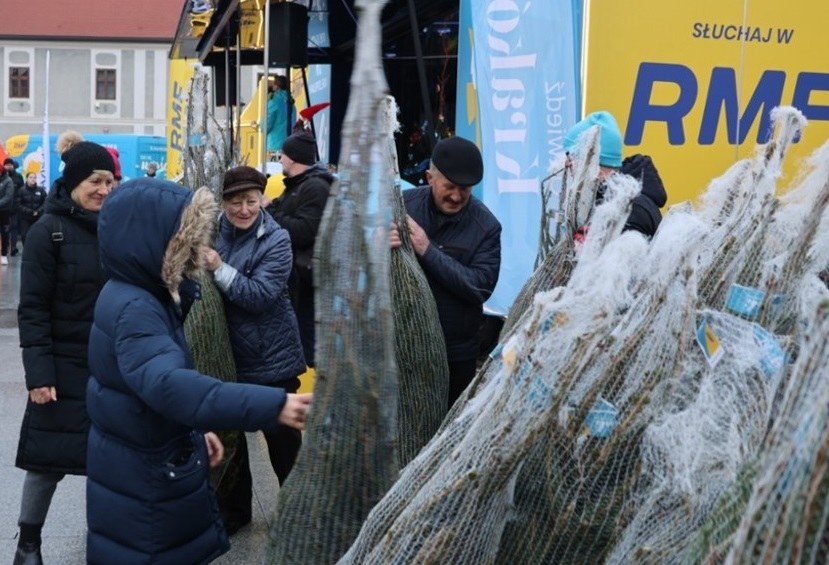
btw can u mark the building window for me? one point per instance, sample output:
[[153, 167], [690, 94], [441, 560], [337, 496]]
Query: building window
[[105, 84], [18, 82]]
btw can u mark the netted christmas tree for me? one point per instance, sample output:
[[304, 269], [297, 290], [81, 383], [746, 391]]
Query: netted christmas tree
[[452, 501], [574, 201], [787, 515], [420, 352], [625, 416], [347, 461], [714, 421], [205, 327], [796, 251]]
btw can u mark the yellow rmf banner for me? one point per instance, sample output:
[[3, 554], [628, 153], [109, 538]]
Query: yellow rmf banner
[[178, 86], [692, 83]]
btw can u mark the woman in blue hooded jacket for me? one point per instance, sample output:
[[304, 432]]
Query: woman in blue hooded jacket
[[251, 267], [149, 498]]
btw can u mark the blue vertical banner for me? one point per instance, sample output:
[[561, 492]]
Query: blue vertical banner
[[518, 94], [318, 35]]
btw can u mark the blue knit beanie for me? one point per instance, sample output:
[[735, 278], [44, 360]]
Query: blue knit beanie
[[610, 138]]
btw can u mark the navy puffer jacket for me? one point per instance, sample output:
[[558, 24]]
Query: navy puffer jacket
[[149, 498], [253, 279]]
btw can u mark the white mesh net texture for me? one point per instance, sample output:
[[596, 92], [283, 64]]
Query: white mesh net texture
[[661, 403]]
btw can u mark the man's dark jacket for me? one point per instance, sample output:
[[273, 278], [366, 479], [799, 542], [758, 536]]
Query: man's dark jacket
[[19, 183], [461, 263], [299, 210], [7, 192]]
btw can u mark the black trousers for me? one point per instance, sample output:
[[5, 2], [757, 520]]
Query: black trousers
[[14, 230], [461, 374], [25, 224], [301, 290], [283, 447], [5, 218]]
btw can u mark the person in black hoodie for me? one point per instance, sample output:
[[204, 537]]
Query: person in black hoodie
[[60, 280], [299, 210], [645, 215]]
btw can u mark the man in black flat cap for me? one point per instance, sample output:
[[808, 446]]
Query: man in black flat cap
[[458, 243]]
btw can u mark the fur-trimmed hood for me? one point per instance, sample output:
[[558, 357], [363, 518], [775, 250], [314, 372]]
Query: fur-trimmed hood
[[150, 233]]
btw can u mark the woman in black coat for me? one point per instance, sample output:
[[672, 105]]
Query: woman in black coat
[[60, 279]]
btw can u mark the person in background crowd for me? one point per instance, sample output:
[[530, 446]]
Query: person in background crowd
[[645, 216], [299, 210], [14, 223], [148, 494], [280, 104], [31, 203], [152, 169], [116, 158], [60, 279], [7, 196], [251, 266], [458, 243]]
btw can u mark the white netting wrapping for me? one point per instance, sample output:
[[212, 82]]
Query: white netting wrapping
[[712, 420], [787, 515], [576, 197], [626, 415]]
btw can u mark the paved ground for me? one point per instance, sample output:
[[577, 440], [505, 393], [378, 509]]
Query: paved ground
[[65, 529]]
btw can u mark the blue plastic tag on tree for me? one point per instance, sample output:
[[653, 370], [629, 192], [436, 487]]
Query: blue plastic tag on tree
[[772, 356], [602, 419], [744, 301]]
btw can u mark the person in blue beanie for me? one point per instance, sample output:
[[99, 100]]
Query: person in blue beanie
[[645, 215]]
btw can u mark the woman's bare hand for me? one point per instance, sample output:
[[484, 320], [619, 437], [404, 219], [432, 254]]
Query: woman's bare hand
[[212, 261], [44, 394]]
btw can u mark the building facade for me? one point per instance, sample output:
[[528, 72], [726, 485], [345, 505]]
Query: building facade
[[92, 87], [94, 66]]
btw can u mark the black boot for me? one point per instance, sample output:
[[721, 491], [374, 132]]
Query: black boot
[[28, 546], [28, 554]]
